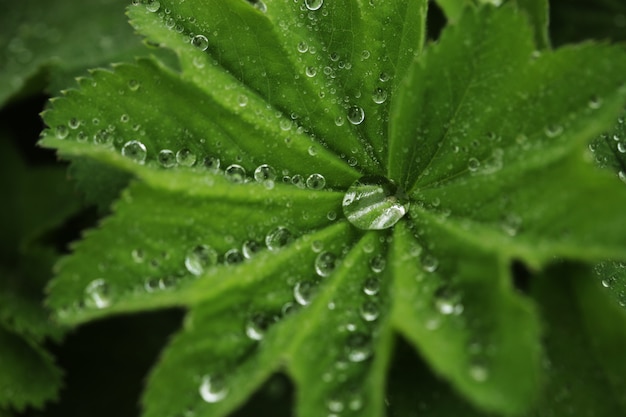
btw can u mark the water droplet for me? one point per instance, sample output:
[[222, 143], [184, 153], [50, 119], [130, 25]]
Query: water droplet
[[378, 263], [310, 71], [379, 95], [259, 5], [384, 77], [62, 132], [124, 118], [316, 182], [621, 147], [236, 173], [371, 286], [553, 131], [74, 123], [331, 215], [358, 347], [233, 257], [264, 173], [213, 389], [473, 164], [153, 5], [97, 294], [242, 100], [211, 163], [622, 176], [313, 4], [298, 181], [257, 325], [151, 285], [135, 150], [369, 311], [199, 258], [133, 85], [251, 248], [102, 137], [595, 102], [201, 42], [446, 301], [478, 372], [325, 264], [278, 238], [335, 405], [166, 158], [511, 224], [317, 246], [304, 291], [138, 255], [185, 157], [374, 203], [356, 115], [303, 47], [429, 263]]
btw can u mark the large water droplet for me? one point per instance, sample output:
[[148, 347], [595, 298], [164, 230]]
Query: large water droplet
[[316, 182], [313, 4], [153, 6], [213, 389], [369, 311], [166, 158], [135, 150], [356, 115], [236, 173], [371, 286], [264, 173], [201, 42], [304, 291], [185, 157], [374, 203], [97, 294], [233, 257], [199, 258]]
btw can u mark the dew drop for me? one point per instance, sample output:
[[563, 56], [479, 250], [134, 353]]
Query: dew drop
[[278, 238], [259, 5], [185, 157], [358, 347], [313, 4], [325, 264], [356, 115], [303, 47], [374, 203], [257, 325], [264, 173], [316, 182], [62, 132], [199, 258], [429, 263], [213, 389], [153, 5], [371, 286], [379, 95], [473, 164], [446, 301], [303, 292], [621, 147], [595, 102], [251, 248], [242, 100], [124, 118], [553, 131], [133, 85], [97, 294], [135, 150], [310, 71], [335, 405], [138, 255], [74, 123], [236, 173], [298, 181], [233, 257], [211, 163], [201, 42], [166, 158], [478, 372], [378, 263], [369, 311]]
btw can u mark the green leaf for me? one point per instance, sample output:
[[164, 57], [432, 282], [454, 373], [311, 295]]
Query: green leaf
[[28, 375], [539, 14], [589, 338], [64, 37], [456, 306], [280, 252]]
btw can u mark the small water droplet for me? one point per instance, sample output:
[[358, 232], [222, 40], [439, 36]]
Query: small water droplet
[[133, 85], [138, 255], [369, 311], [317, 246], [379, 95], [235, 173], [478, 372], [166, 158], [310, 71], [201, 42], [257, 325], [199, 258], [264, 173], [233, 257], [553, 131], [356, 115], [447, 301], [259, 5], [595, 102], [303, 47], [153, 5], [429, 263], [371, 286], [335, 405], [124, 118], [242, 100], [62, 132], [251, 248], [135, 150], [74, 123], [313, 4], [331, 215], [473, 164], [185, 157], [374, 203], [304, 291], [211, 163], [213, 389], [384, 77], [316, 182], [359, 348], [298, 181], [278, 238], [325, 264], [378, 263], [97, 294], [621, 147]]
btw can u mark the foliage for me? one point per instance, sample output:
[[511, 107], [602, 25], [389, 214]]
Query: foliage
[[396, 224]]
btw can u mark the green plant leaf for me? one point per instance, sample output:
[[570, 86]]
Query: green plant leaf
[[294, 253], [590, 337]]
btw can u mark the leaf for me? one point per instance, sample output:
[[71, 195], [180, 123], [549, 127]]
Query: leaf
[[576, 20], [589, 338], [63, 36], [307, 106]]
